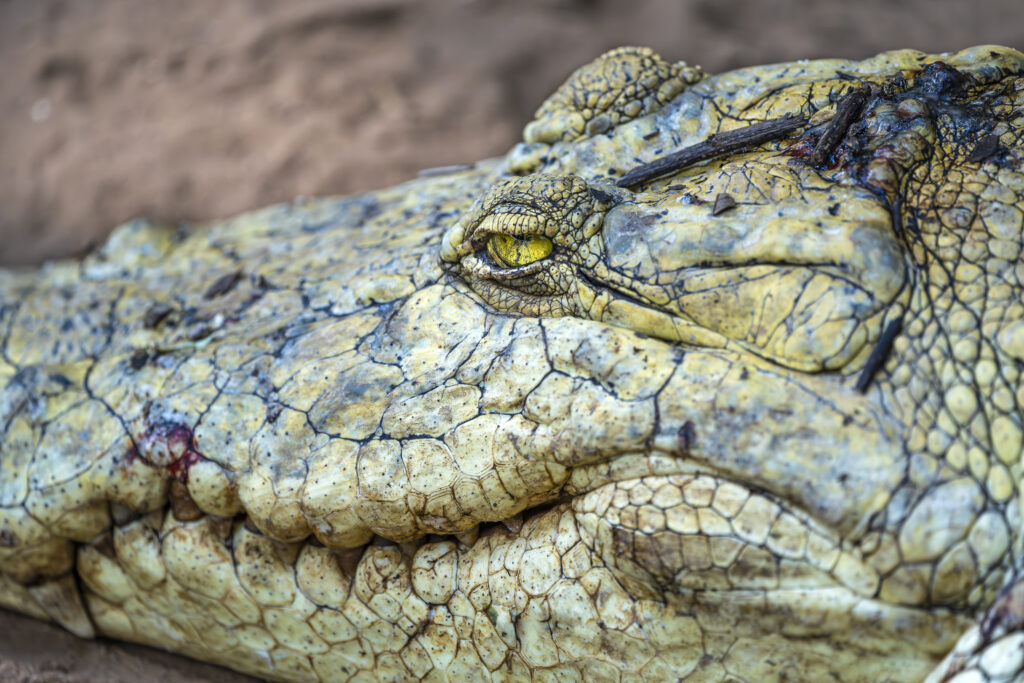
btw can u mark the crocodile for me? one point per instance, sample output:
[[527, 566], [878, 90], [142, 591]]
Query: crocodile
[[709, 378]]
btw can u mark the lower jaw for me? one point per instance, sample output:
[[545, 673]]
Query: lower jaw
[[667, 575]]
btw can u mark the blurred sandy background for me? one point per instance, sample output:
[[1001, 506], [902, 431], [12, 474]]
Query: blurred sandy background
[[191, 110]]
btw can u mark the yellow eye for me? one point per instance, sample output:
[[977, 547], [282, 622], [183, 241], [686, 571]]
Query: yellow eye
[[508, 251]]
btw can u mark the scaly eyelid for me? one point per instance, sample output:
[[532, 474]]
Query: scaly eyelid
[[482, 269]]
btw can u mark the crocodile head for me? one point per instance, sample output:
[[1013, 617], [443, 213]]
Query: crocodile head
[[757, 416]]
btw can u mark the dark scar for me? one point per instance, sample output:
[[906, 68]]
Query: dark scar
[[847, 110], [878, 354], [714, 146], [986, 147]]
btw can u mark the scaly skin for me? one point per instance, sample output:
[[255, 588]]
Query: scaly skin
[[517, 422]]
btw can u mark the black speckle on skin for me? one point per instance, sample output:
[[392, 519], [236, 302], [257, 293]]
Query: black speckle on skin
[[223, 284], [687, 437], [155, 314], [139, 358]]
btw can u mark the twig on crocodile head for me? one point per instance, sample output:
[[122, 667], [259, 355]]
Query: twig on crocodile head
[[847, 110], [714, 146], [878, 354]]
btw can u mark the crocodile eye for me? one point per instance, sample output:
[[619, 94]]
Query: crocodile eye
[[509, 252]]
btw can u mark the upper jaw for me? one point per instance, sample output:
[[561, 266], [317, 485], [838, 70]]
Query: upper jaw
[[785, 280]]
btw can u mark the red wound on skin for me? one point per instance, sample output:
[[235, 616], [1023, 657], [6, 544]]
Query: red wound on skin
[[802, 148], [167, 442], [179, 468]]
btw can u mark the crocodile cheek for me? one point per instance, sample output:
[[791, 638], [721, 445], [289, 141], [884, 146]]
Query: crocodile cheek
[[742, 562], [776, 279]]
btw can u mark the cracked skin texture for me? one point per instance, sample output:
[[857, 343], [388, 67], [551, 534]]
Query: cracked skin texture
[[516, 422]]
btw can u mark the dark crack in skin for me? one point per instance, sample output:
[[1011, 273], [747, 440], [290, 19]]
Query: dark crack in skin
[[516, 422]]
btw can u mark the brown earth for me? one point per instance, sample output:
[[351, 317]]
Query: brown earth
[[194, 110]]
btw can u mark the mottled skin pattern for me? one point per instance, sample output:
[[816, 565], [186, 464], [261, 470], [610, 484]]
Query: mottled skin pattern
[[517, 422]]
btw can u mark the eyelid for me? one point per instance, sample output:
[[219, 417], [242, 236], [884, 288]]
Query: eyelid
[[483, 269]]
